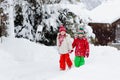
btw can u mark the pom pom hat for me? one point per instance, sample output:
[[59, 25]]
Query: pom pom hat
[[62, 28], [80, 31]]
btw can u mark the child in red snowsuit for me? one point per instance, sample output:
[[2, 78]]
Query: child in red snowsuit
[[81, 46], [64, 47]]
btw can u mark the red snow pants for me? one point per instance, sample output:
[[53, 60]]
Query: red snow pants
[[65, 60]]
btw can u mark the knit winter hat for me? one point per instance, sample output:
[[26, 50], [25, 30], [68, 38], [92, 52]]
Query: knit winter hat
[[62, 28], [81, 29], [80, 32]]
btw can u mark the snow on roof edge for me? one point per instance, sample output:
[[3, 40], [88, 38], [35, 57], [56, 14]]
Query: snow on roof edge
[[107, 12]]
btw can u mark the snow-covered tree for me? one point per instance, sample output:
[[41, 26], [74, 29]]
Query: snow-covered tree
[[3, 20], [8, 11], [39, 20]]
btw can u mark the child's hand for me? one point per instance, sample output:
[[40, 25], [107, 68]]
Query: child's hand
[[70, 51], [87, 55]]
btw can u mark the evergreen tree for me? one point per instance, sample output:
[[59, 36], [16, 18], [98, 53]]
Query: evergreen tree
[[39, 20]]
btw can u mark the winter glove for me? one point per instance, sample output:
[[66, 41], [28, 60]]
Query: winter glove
[[87, 55], [70, 51]]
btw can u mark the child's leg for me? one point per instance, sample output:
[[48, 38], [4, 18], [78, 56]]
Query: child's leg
[[77, 61], [68, 60], [62, 62], [82, 61]]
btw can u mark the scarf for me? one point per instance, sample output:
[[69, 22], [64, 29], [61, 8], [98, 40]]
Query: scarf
[[61, 38]]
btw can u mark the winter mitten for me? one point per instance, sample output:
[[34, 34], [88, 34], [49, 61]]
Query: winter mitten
[[70, 51], [87, 55]]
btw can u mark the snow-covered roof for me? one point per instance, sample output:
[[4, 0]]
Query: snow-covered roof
[[107, 12]]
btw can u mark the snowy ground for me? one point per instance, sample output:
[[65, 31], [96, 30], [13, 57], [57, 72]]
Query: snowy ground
[[21, 59]]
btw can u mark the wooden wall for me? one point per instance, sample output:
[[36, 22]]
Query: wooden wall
[[116, 24], [105, 33]]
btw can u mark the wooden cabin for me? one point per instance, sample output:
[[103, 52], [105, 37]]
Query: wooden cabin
[[106, 32], [105, 22]]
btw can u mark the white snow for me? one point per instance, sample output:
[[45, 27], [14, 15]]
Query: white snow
[[21, 59], [107, 12]]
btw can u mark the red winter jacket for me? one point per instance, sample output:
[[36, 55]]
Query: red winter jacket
[[81, 46]]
